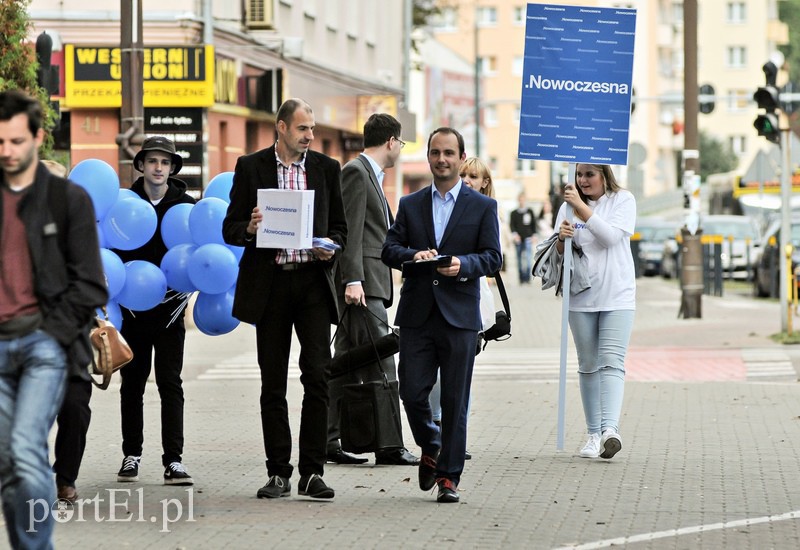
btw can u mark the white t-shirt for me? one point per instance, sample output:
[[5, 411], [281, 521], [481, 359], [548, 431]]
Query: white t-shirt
[[606, 242]]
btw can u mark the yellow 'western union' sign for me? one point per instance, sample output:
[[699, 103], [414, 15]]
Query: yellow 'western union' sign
[[174, 76]]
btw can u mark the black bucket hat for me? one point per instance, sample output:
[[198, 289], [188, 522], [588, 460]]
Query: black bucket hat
[[162, 144]]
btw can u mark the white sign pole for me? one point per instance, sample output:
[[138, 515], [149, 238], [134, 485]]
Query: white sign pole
[[562, 372]]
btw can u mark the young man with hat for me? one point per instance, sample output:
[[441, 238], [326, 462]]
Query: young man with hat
[[158, 332]]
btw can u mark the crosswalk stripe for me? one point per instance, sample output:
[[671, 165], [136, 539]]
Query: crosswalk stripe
[[529, 364]]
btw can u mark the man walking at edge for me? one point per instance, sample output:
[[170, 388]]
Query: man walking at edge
[[439, 313], [361, 278], [51, 281], [280, 289]]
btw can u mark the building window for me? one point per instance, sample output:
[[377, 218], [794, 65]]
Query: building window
[[736, 57], [517, 112], [739, 100], [487, 65], [493, 164], [518, 15], [487, 16], [738, 144], [737, 12], [526, 167], [490, 116], [445, 20], [517, 65]]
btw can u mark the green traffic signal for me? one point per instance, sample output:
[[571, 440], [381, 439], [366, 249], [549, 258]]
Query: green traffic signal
[[767, 126]]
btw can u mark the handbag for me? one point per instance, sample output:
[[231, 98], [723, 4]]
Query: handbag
[[364, 355], [501, 330], [110, 350], [369, 412]]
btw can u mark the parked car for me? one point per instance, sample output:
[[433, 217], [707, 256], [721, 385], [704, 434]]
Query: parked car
[[652, 232], [740, 245], [767, 265]]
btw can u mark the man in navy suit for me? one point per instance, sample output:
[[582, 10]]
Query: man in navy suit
[[281, 289], [438, 314]]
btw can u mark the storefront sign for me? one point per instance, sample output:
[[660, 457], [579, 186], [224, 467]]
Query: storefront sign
[[184, 126], [174, 76]]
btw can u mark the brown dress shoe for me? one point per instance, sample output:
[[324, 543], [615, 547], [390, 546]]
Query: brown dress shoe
[[68, 493]]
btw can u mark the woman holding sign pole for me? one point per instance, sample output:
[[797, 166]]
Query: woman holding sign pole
[[601, 318]]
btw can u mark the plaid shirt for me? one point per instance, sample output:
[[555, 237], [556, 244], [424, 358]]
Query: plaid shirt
[[292, 176]]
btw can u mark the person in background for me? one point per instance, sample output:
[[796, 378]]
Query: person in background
[[439, 312], [601, 317], [478, 177], [74, 416], [156, 336], [361, 278], [281, 289], [51, 281], [523, 227]]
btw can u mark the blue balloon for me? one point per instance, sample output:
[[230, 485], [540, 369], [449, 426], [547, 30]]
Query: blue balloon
[[175, 265], [205, 221], [114, 270], [220, 187], [212, 313], [175, 225], [101, 236], [114, 314], [127, 194], [130, 224], [145, 286], [101, 182], [213, 268]]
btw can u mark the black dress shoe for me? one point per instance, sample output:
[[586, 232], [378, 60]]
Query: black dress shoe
[[396, 457], [343, 457], [427, 472], [447, 491]]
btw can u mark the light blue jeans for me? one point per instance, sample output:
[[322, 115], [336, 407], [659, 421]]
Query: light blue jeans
[[435, 399], [32, 381], [601, 340]]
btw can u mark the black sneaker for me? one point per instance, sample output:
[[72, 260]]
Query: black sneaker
[[276, 487], [313, 486], [176, 474], [130, 469]]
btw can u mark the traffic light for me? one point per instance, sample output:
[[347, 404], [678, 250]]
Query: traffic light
[[767, 97], [707, 93], [46, 74]]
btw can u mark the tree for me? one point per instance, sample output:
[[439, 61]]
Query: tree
[[18, 63], [715, 156]]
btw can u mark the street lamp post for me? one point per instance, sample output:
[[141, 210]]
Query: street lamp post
[[477, 83]]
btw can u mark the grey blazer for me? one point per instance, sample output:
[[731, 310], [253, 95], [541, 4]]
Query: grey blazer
[[368, 219]]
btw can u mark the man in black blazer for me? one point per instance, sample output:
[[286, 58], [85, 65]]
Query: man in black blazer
[[362, 279], [278, 289], [438, 314]]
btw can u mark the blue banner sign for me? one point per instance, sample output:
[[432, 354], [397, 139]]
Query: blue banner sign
[[576, 84]]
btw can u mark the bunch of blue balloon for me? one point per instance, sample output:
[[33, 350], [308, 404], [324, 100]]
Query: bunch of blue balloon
[[197, 259]]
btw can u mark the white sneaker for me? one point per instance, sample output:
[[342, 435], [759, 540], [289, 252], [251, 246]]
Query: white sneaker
[[610, 443], [592, 447]]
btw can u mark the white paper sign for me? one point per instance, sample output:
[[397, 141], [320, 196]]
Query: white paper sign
[[288, 218]]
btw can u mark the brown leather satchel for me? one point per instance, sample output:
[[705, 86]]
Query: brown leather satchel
[[111, 351]]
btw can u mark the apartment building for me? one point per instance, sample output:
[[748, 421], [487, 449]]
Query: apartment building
[[735, 39], [215, 72]]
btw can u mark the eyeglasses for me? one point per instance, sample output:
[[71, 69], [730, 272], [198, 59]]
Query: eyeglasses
[[402, 143]]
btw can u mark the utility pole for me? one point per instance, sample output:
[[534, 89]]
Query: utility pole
[[692, 250], [131, 121]]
